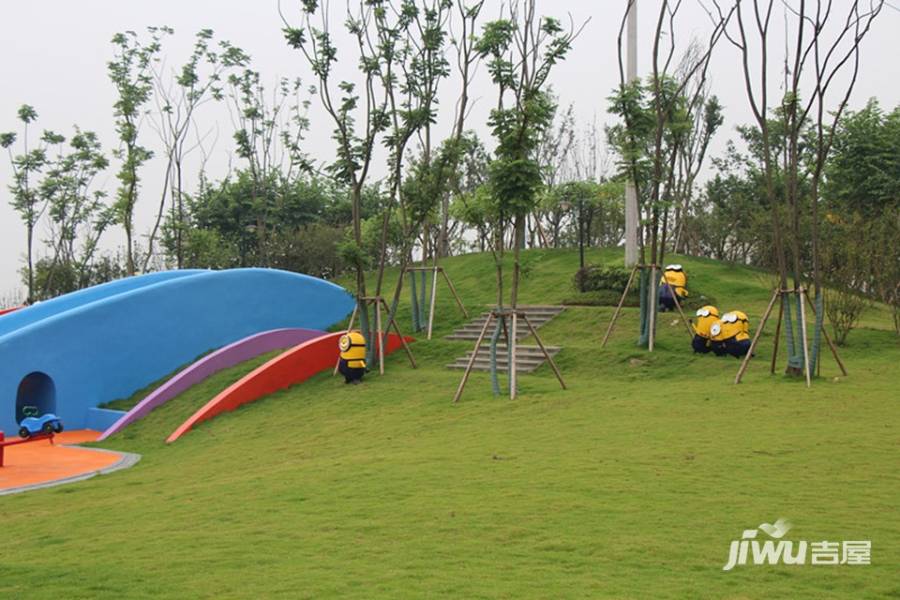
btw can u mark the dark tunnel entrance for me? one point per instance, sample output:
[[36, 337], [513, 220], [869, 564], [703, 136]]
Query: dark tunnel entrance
[[36, 396]]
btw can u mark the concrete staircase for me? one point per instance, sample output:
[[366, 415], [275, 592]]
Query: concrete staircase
[[528, 358], [538, 315]]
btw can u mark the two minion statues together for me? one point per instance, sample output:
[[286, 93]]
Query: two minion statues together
[[352, 364], [728, 334]]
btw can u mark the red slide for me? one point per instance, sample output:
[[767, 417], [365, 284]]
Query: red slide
[[4, 311], [294, 366]]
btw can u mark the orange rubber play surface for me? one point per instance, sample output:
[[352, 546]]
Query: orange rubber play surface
[[41, 462]]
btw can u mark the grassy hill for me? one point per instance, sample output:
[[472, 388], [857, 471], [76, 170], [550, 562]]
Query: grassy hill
[[632, 483]]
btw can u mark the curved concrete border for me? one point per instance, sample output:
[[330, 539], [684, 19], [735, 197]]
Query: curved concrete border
[[232, 354], [126, 460], [291, 367]]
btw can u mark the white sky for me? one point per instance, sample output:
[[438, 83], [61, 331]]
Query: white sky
[[54, 55]]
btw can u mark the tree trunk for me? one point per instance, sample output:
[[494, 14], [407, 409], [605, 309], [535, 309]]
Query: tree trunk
[[518, 240], [159, 214], [30, 263], [179, 230]]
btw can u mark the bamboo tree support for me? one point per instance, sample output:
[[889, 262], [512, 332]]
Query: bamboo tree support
[[615, 316], [380, 338], [381, 333], [801, 291], [544, 350], [453, 291], [680, 311], [652, 305], [776, 295], [435, 269], [511, 363], [540, 231], [350, 323], [654, 302], [779, 296], [434, 280], [831, 345], [511, 344], [393, 321], [465, 377], [777, 333]]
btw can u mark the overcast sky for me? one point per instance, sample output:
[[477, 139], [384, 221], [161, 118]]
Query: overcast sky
[[54, 55]]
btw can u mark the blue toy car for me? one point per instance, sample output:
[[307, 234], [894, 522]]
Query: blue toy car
[[32, 424]]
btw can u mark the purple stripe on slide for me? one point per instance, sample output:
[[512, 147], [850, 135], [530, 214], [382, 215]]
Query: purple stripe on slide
[[230, 355]]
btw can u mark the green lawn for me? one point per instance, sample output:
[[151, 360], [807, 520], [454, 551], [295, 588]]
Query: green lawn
[[630, 484]]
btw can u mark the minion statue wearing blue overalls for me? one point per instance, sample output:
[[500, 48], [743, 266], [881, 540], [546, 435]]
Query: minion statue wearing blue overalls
[[352, 364]]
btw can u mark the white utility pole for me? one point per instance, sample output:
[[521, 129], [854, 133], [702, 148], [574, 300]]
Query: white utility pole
[[631, 203]]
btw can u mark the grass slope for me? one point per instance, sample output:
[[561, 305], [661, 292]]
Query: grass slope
[[631, 484]]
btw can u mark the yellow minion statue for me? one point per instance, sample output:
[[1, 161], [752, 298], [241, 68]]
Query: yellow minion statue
[[731, 334], [706, 317], [672, 283], [353, 357]]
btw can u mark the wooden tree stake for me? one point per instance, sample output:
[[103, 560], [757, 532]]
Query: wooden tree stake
[[652, 304], [349, 329], [759, 330], [681, 312], [544, 350], [777, 333], [615, 316], [380, 339], [806, 370], [435, 269], [465, 377], [831, 345], [409, 354], [453, 291], [513, 374], [381, 331], [434, 280]]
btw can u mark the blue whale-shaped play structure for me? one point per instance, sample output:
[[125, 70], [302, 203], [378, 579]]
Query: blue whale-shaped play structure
[[72, 353]]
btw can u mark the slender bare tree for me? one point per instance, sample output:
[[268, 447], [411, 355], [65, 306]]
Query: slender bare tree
[[178, 95], [824, 44]]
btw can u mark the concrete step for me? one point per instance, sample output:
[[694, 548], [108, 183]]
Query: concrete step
[[521, 329], [521, 369], [485, 365], [537, 311], [541, 307], [521, 351], [530, 361], [471, 330], [477, 325], [471, 336], [528, 358], [541, 317]]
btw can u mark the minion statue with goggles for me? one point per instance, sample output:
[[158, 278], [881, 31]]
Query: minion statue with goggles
[[706, 317], [731, 334], [673, 283], [353, 357]]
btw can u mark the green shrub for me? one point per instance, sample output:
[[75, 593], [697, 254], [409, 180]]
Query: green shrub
[[598, 285], [593, 278], [697, 300], [844, 309], [604, 298]]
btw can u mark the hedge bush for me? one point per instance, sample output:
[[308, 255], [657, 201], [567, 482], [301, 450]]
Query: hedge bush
[[598, 285]]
